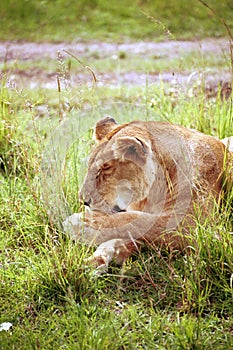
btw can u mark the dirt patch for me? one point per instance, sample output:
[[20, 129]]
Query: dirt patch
[[34, 77], [32, 51]]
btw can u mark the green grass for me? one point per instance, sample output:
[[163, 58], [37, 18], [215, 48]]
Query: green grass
[[116, 20], [157, 301], [54, 301]]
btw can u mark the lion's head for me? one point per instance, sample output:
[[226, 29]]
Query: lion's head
[[121, 168]]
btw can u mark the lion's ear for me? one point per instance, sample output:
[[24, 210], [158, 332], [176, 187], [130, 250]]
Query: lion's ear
[[131, 148], [103, 127]]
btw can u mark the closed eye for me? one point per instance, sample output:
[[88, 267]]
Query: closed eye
[[105, 170]]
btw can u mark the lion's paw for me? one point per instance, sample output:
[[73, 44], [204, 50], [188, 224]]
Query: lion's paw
[[73, 225], [78, 227]]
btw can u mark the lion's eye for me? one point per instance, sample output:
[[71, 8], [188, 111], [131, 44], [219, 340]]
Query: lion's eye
[[105, 170]]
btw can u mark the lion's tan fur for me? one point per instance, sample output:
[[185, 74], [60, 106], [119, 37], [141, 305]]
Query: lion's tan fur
[[145, 181]]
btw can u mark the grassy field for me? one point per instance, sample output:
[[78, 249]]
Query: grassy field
[[116, 20], [52, 300]]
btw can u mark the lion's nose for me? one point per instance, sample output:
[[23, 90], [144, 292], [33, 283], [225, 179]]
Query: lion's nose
[[84, 198]]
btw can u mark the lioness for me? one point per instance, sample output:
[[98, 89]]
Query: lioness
[[145, 182]]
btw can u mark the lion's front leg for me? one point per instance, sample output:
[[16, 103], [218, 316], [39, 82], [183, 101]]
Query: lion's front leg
[[115, 234], [96, 227], [119, 234], [78, 227]]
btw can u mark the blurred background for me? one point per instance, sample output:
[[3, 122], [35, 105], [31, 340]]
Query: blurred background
[[59, 20]]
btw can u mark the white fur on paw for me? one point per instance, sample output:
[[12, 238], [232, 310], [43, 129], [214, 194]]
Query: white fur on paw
[[73, 225]]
